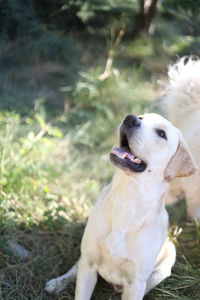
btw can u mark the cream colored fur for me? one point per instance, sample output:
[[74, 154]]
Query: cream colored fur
[[181, 105], [125, 239]]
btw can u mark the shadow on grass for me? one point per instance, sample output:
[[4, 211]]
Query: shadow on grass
[[53, 252], [177, 212]]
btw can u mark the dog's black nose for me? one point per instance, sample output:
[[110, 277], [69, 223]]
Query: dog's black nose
[[132, 121]]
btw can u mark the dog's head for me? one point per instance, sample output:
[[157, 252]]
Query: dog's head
[[150, 143]]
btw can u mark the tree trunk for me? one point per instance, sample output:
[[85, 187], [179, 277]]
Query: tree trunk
[[145, 16]]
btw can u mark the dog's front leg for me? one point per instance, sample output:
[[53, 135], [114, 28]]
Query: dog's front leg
[[86, 279], [134, 291]]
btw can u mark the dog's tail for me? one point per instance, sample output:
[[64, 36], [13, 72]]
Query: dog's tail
[[181, 97]]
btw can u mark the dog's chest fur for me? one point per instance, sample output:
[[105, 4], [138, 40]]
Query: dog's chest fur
[[125, 231]]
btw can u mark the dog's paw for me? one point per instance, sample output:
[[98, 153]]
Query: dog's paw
[[55, 286]]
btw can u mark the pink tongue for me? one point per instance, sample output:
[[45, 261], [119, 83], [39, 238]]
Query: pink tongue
[[125, 153], [120, 150]]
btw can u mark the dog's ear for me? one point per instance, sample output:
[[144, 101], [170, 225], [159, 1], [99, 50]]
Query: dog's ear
[[181, 164]]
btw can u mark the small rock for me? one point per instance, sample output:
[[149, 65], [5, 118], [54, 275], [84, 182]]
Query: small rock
[[18, 250]]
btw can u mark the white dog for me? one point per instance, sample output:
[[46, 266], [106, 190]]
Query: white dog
[[181, 104], [125, 239]]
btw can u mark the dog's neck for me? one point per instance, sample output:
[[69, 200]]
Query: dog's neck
[[141, 185], [133, 197]]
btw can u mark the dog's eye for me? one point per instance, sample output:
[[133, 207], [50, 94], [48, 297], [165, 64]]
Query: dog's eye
[[141, 118], [161, 133]]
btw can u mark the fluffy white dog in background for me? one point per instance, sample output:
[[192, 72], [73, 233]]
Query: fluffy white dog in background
[[181, 105], [125, 239]]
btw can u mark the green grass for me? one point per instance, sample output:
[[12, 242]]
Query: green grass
[[51, 171], [50, 175]]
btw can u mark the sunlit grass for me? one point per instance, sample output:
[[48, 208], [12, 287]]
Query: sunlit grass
[[50, 174]]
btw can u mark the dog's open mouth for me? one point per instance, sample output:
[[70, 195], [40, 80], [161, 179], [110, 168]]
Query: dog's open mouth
[[123, 157]]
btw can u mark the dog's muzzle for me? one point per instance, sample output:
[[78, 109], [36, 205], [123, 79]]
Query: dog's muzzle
[[123, 157]]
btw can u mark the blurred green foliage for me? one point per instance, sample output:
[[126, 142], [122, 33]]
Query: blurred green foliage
[[79, 64], [33, 17], [46, 46], [185, 5]]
